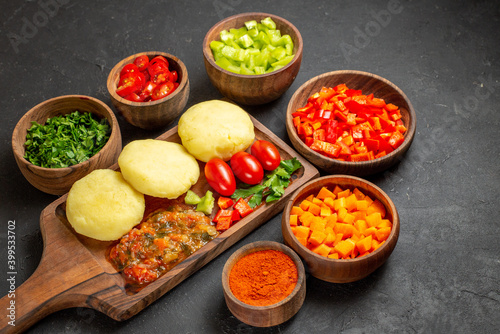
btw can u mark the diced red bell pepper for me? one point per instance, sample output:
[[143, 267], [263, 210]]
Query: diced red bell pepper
[[396, 139], [223, 224], [360, 157], [243, 208], [236, 216], [224, 202], [222, 213], [319, 134]]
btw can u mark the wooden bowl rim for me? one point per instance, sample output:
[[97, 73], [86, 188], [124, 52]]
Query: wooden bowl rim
[[16, 146], [366, 258], [410, 133], [255, 247], [207, 52], [117, 68]]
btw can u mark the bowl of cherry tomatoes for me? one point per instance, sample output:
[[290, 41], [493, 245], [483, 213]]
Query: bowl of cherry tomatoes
[[149, 89]]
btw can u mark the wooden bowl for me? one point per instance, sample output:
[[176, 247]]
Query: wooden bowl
[[153, 114], [368, 83], [58, 181], [264, 316], [333, 270], [252, 89]]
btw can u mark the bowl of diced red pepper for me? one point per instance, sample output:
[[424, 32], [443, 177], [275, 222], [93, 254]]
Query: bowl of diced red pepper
[[149, 89], [351, 122]]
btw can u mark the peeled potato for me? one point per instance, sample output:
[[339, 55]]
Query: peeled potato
[[158, 168], [215, 129], [103, 206]]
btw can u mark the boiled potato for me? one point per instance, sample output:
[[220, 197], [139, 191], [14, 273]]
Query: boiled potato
[[103, 206], [215, 129], [158, 168]]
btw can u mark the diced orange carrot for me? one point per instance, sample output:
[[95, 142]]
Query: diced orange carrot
[[330, 239], [361, 205], [365, 244], [341, 213], [360, 225], [325, 211], [306, 218], [304, 205], [385, 223], [314, 209], [329, 202], [322, 250], [331, 220], [344, 193], [317, 201], [334, 256], [370, 231], [351, 202], [336, 190], [318, 224], [316, 238], [358, 193], [376, 206], [293, 220], [344, 248], [369, 200], [303, 241], [324, 193], [310, 198], [338, 238], [346, 229], [383, 233], [374, 219], [296, 210], [302, 232], [349, 219]]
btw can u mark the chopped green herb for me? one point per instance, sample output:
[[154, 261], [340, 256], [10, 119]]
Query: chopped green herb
[[66, 140]]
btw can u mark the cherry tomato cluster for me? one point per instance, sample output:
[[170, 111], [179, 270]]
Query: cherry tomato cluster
[[147, 80], [248, 168]]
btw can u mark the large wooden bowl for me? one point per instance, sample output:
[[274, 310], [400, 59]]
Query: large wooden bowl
[[265, 316], [154, 114], [368, 83], [341, 271], [252, 89], [58, 181]]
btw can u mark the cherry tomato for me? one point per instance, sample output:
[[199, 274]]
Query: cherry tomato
[[130, 82], [220, 177], [158, 59], [129, 68], [267, 154], [134, 97], [146, 93], [142, 62], [175, 76], [162, 90], [247, 168]]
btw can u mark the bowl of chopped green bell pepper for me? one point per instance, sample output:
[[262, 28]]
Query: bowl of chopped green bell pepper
[[60, 140], [252, 58]]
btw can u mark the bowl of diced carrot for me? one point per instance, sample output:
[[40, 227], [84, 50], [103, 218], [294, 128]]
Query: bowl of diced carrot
[[351, 122], [342, 226]]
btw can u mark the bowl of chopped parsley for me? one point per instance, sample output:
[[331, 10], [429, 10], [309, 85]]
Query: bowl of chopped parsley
[[62, 139]]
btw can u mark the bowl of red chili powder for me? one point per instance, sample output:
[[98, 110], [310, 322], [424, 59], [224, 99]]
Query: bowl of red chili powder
[[264, 283]]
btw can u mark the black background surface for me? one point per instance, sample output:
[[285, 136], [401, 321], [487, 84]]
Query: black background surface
[[443, 276]]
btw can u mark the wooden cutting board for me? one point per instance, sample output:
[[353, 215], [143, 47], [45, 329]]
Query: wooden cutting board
[[74, 272]]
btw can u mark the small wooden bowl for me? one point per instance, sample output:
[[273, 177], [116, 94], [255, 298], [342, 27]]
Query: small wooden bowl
[[154, 114], [252, 89], [265, 316], [341, 271], [368, 83], [58, 181]]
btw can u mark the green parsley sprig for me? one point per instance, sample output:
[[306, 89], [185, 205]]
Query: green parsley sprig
[[273, 186], [66, 140]]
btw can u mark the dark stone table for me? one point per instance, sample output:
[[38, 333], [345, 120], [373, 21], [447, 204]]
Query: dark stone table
[[443, 276]]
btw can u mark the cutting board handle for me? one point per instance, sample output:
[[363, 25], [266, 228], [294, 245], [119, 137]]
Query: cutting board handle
[[66, 277], [39, 296]]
